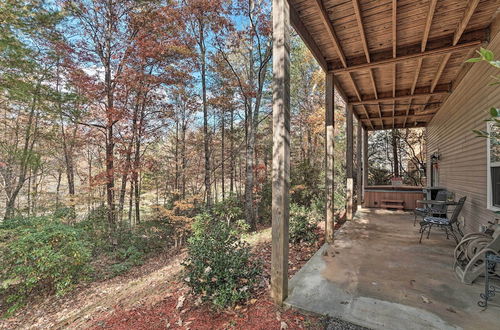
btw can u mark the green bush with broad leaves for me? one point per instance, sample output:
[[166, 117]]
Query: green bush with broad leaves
[[230, 209], [40, 255], [302, 224], [219, 266]]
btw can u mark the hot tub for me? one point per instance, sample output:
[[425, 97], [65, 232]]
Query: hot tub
[[375, 196]]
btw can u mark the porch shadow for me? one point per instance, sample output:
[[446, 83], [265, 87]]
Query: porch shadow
[[377, 275]]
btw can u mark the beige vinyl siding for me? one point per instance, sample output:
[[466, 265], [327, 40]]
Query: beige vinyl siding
[[463, 162]]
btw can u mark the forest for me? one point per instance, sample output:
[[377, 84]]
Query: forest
[[137, 128]]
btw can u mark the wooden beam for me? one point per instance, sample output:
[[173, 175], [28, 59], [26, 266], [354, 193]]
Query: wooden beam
[[349, 162], [413, 86], [417, 74], [374, 85], [428, 23], [386, 114], [407, 112], [394, 73], [418, 115], [394, 28], [281, 150], [328, 24], [329, 154], [357, 12], [471, 7], [440, 70], [396, 98], [397, 126], [358, 95], [434, 52], [307, 38]]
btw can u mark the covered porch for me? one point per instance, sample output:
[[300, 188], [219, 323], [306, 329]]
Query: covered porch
[[396, 64], [376, 274]]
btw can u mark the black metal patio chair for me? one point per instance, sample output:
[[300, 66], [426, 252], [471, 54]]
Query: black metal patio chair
[[444, 223], [431, 209]]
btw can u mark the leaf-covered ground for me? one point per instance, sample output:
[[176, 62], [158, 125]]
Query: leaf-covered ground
[[153, 296]]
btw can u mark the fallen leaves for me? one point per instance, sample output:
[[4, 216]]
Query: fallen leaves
[[180, 302]]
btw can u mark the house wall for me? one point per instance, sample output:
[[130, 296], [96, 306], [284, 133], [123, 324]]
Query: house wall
[[463, 156]]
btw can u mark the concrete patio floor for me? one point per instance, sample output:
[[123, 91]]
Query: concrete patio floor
[[377, 275]]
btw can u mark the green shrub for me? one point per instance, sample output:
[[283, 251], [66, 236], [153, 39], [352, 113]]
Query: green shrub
[[230, 209], [219, 265], [301, 225], [318, 209], [127, 258], [151, 236], [94, 227], [65, 213], [306, 183], [44, 255]]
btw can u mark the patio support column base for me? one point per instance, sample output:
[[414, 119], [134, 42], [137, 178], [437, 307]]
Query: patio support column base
[[359, 165], [365, 162], [349, 162], [281, 150]]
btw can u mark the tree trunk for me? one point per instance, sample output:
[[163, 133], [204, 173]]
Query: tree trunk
[[128, 161], [176, 152], [206, 133], [25, 157], [58, 186], [395, 153], [231, 150], [110, 120], [222, 155], [130, 202], [184, 160]]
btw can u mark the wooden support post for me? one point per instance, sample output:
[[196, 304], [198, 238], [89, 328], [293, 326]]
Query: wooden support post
[[349, 162], [365, 161], [281, 150], [329, 167], [359, 168]]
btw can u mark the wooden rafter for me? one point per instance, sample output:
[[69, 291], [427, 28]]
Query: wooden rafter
[[374, 85], [359, 19], [404, 58], [357, 12], [397, 98], [414, 85], [394, 28], [428, 24], [398, 126], [417, 74], [409, 116], [328, 24], [425, 38], [439, 71], [302, 31], [471, 7], [358, 95], [407, 112], [394, 74], [402, 107]]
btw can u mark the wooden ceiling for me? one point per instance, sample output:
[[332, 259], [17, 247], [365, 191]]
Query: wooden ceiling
[[395, 61]]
